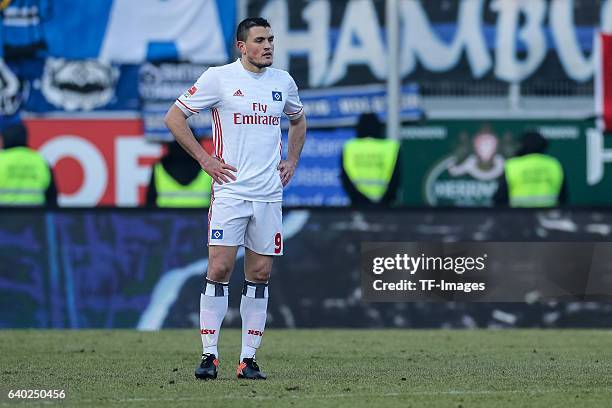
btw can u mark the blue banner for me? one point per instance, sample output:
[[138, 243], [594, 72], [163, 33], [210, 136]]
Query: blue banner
[[158, 87], [77, 85], [23, 26], [161, 84], [341, 106], [121, 31], [317, 179]]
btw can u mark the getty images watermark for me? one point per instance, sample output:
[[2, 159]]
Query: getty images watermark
[[413, 264], [491, 271]]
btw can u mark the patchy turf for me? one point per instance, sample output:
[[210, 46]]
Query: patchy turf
[[322, 368]]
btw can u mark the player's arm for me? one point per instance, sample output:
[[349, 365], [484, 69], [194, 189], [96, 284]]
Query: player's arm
[[176, 121], [297, 137]]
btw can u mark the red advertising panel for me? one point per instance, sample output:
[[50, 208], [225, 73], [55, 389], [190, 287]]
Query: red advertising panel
[[97, 162]]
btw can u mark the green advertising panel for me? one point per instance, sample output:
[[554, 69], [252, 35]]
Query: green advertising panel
[[458, 162]]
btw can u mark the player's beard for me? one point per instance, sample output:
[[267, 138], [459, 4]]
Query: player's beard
[[260, 65]]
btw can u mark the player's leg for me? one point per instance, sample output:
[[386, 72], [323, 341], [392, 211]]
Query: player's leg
[[214, 296], [254, 303], [263, 241], [227, 224], [253, 310]]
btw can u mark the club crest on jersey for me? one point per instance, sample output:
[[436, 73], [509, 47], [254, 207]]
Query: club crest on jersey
[[277, 96], [216, 234], [238, 93]]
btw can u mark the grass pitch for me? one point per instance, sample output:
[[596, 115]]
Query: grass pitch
[[320, 368]]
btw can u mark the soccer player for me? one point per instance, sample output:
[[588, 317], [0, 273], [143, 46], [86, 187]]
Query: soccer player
[[247, 99]]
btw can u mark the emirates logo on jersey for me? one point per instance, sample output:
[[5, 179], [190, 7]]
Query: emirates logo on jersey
[[258, 117], [238, 93]]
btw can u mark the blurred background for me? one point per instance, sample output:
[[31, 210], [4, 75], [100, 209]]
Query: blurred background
[[441, 93]]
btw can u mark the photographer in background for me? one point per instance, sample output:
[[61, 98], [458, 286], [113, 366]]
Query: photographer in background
[[25, 176], [370, 165], [178, 181], [532, 179]]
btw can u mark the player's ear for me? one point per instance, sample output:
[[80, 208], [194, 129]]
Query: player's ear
[[240, 45]]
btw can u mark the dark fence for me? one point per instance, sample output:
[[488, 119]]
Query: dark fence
[[143, 268]]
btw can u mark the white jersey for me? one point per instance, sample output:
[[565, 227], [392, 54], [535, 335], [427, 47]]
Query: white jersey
[[246, 111]]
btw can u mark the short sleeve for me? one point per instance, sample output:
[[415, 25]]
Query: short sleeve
[[293, 106], [203, 94]]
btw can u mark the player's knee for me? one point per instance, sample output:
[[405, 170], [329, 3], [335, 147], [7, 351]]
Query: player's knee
[[261, 273], [219, 272]]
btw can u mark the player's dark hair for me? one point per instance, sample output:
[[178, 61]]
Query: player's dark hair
[[242, 31]]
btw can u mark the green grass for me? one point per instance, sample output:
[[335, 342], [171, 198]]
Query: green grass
[[320, 368]]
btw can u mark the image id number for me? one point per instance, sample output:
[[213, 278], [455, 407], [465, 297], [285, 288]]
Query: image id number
[[36, 394]]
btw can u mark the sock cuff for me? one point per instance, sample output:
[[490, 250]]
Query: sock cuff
[[255, 290], [215, 289]]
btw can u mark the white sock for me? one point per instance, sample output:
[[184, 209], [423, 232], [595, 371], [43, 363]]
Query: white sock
[[253, 310], [213, 307]]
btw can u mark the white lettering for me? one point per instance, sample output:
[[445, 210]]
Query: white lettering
[[314, 42], [377, 267], [416, 262], [129, 174], [359, 42], [561, 20], [507, 66], [606, 17], [132, 27], [597, 156], [95, 171], [421, 42]]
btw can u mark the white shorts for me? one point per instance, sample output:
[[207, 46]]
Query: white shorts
[[253, 224]]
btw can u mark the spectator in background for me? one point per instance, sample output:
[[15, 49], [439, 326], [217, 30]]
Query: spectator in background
[[178, 181], [25, 176], [370, 164], [532, 178]]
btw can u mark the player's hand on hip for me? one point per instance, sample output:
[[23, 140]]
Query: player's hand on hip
[[219, 171], [287, 170]]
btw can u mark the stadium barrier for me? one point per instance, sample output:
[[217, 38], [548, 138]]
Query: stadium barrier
[[459, 161], [127, 268]]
